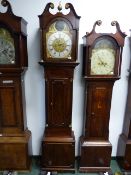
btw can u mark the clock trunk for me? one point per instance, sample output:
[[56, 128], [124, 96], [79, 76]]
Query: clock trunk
[[59, 42], [97, 111], [59, 139], [101, 68], [15, 137]]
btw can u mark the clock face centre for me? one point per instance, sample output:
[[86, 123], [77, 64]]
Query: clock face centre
[[59, 44]]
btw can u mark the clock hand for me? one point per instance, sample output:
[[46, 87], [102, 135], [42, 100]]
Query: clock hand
[[1, 48], [4, 52]]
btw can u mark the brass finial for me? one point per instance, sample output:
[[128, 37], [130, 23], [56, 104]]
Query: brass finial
[[59, 6]]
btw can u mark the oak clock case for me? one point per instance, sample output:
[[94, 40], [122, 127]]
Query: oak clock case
[[59, 42], [14, 135], [124, 142], [102, 56]]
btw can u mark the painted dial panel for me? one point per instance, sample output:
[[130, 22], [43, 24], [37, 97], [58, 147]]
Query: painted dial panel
[[7, 48]]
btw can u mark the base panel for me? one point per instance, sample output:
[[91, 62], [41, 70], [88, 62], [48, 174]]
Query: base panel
[[94, 169], [95, 156], [14, 152], [58, 154], [59, 169], [124, 153]]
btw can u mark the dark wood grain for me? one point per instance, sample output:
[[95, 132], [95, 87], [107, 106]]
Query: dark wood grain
[[14, 135], [58, 150], [58, 145], [95, 147], [98, 109], [14, 153], [96, 153], [11, 103]]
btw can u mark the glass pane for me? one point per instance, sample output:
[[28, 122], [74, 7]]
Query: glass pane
[[7, 49], [59, 40], [103, 57]]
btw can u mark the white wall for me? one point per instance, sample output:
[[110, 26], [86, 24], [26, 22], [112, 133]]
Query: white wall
[[90, 11]]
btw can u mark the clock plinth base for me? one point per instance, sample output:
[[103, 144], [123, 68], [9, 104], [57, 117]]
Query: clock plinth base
[[95, 156], [94, 169], [124, 153], [58, 153], [14, 152]]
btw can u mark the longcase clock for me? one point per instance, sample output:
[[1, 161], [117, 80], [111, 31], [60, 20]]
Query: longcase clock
[[124, 142], [59, 41], [102, 64], [14, 135]]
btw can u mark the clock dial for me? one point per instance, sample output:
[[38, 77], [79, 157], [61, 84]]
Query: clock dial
[[103, 57], [7, 49], [59, 45], [59, 40], [102, 62]]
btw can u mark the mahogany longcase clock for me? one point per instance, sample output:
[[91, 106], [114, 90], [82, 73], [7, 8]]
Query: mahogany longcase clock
[[14, 135], [124, 142], [59, 41], [102, 64]]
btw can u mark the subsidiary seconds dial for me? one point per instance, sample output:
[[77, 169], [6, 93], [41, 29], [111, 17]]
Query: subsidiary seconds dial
[[59, 45]]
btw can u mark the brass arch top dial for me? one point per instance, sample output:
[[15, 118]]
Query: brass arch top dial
[[59, 40]]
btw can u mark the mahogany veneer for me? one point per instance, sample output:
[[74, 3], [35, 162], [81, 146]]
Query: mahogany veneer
[[14, 134], [95, 147], [58, 143]]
